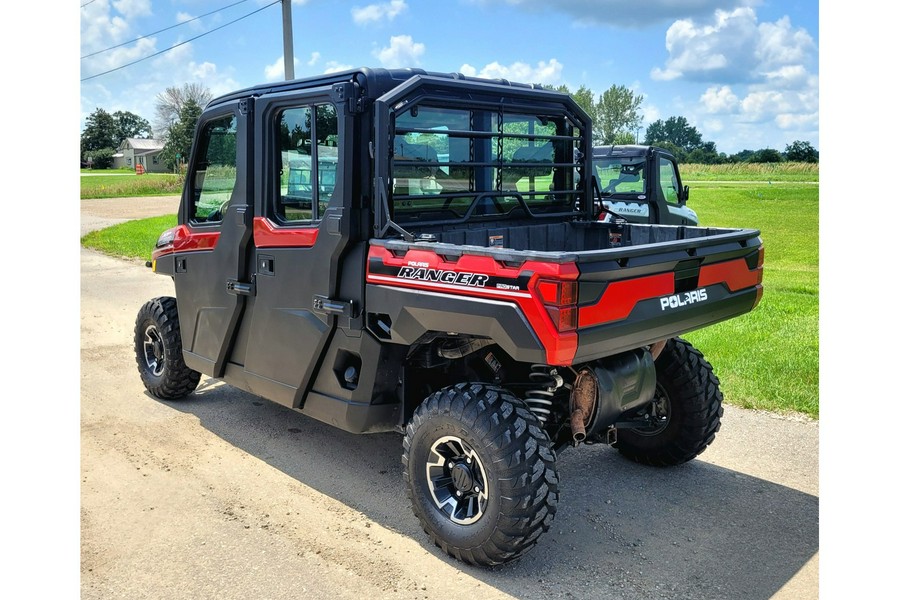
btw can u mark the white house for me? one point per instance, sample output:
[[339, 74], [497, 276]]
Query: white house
[[136, 151]]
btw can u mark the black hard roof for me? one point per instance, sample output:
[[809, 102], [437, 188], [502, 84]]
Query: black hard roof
[[377, 81], [629, 150]]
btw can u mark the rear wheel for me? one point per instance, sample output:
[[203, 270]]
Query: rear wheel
[[685, 413], [480, 472], [157, 349]]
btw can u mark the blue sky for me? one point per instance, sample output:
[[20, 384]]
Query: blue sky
[[744, 72]]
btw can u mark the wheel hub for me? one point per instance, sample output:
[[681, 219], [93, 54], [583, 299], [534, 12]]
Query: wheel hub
[[457, 480], [154, 350], [463, 480]]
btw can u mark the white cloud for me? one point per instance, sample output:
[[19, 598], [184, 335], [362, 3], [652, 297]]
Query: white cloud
[[780, 44], [719, 100], [313, 59], [374, 13], [722, 49], [623, 14], [133, 8], [733, 46], [333, 66], [275, 71], [757, 72], [793, 77], [545, 71], [403, 52]]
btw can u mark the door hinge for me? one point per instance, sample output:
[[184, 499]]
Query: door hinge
[[327, 306], [241, 288]]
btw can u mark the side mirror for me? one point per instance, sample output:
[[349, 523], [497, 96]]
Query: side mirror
[[685, 193]]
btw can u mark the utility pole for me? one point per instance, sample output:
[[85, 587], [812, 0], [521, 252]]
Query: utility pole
[[287, 27]]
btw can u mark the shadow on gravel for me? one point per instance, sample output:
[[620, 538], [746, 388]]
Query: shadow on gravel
[[622, 530]]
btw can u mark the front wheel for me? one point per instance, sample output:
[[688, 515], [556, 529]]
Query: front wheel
[[157, 349], [685, 414], [480, 472]]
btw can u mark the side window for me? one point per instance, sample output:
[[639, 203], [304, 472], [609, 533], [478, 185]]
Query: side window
[[668, 181], [216, 172], [308, 148]]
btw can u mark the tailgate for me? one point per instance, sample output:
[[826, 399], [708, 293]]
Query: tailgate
[[579, 306]]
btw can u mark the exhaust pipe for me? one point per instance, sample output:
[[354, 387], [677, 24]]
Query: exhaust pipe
[[583, 403]]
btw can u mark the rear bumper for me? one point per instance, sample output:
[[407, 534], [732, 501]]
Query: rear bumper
[[649, 322]]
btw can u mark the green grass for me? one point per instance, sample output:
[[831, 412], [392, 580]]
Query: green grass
[[102, 171], [124, 186], [769, 358], [132, 240]]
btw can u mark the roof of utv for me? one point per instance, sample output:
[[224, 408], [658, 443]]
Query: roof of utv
[[376, 81], [630, 150]]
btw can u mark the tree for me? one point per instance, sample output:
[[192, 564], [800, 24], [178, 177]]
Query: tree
[[798, 151], [181, 133], [766, 155], [99, 132], [617, 112], [130, 125], [705, 154], [742, 156], [675, 130], [613, 114], [102, 158], [170, 103]]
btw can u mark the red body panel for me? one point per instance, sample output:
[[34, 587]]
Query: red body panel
[[266, 235], [560, 347], [188, 241]]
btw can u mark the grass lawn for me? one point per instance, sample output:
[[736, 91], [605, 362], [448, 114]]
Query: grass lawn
[[119, 185], [769, 358], [134, 239]]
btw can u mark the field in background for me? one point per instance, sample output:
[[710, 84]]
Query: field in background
[[762, 172], [118, 184]]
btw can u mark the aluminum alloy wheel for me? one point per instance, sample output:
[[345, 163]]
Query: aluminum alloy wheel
[[154, 351], [457, 480]]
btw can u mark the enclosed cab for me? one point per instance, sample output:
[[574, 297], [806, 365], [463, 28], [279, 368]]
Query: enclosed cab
[[640, 184]]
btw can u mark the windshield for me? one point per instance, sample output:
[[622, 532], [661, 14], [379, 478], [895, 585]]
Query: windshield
[[621, 175]]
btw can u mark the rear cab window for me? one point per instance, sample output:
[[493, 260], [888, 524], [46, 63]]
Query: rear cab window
[[452, 163]]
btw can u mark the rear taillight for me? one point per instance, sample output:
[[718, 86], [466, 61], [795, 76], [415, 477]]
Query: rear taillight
[[560, 298]]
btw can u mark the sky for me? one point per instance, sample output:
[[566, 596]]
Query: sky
[[745, 73]]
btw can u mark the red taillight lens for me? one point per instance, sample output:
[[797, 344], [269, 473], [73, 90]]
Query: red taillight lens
[[558, 293], [565, 319], [560, 298]]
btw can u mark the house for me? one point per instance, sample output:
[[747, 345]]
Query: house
[[136, 151]]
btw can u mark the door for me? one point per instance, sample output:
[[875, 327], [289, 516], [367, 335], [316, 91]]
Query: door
[[672, 209], [211, 274], [300, 236]]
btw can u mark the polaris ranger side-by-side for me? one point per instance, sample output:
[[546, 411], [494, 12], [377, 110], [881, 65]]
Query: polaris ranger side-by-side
[[399, 250], [641, 184]]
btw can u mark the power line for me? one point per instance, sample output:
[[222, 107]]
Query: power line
[[140, 37], [184, 42], [86, 3]]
